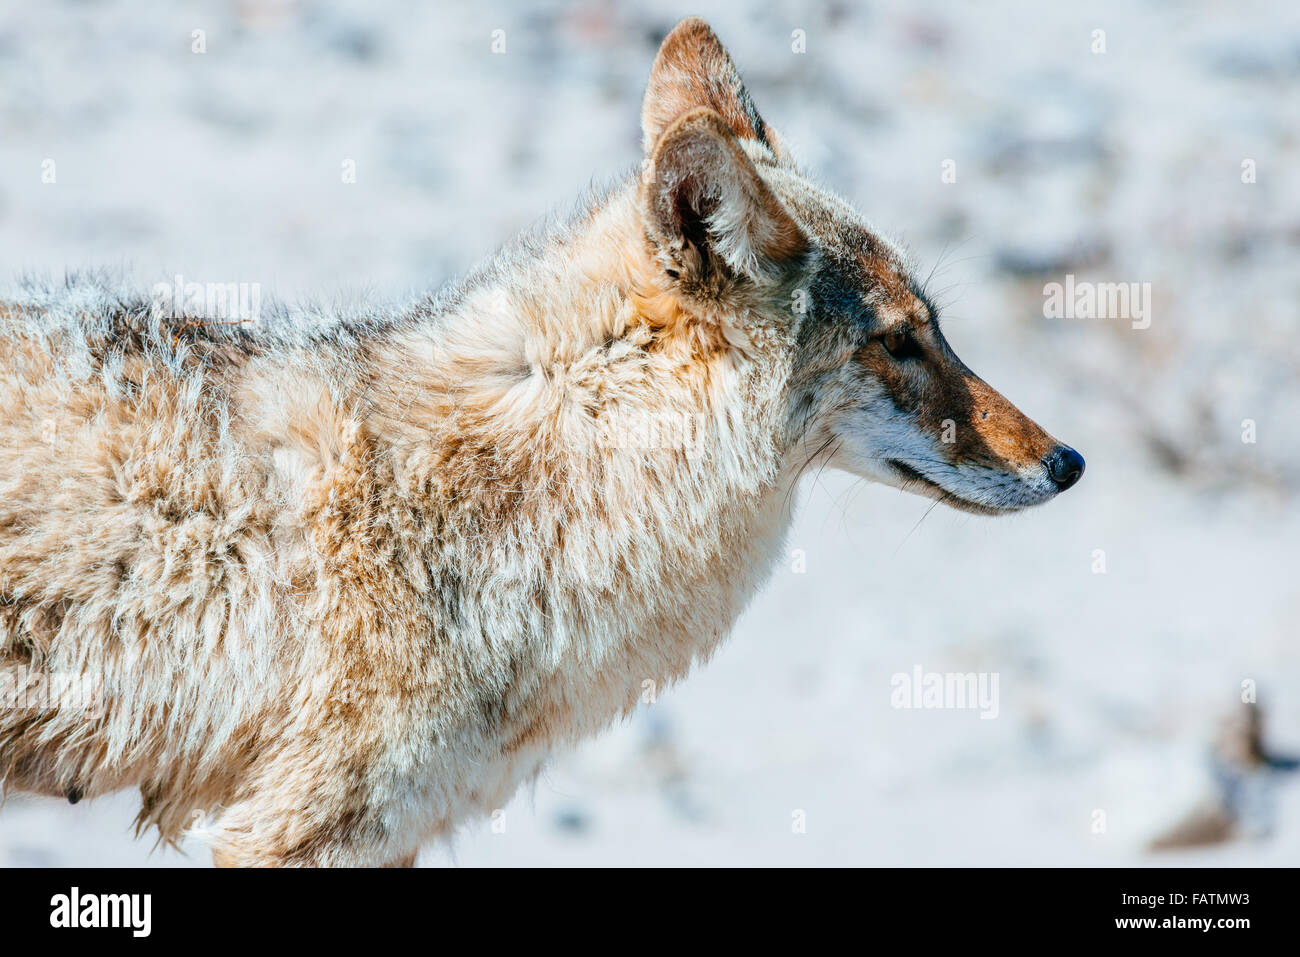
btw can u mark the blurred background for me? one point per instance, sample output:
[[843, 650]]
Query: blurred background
[[1125, 622]]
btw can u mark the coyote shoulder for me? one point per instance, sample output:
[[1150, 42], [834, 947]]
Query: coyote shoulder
[[324, 587]]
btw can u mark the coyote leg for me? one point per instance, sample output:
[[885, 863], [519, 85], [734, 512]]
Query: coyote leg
[[221, 859]]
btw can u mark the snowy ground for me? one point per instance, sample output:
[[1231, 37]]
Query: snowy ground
[[1125, 165]]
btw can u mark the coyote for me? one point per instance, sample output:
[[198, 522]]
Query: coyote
[[337, 583]]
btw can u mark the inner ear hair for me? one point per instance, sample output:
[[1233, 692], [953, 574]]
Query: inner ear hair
[[708, 210]]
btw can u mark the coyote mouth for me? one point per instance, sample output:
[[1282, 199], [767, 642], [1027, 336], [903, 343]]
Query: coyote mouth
[[911, 475]]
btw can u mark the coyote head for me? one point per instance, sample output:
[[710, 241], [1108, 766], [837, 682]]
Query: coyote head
[[874, 387]]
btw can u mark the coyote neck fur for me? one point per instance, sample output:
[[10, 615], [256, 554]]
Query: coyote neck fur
[[602, 473], [585, 480]]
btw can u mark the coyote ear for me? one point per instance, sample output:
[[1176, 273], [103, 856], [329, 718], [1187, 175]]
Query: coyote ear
[[693, 69], [707, 210]]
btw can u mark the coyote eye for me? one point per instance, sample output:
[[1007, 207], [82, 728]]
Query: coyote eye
[[901, 344]]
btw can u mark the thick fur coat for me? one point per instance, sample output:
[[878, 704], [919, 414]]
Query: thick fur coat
[[323, 587]]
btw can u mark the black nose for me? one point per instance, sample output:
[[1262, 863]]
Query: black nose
[[1064, 466]]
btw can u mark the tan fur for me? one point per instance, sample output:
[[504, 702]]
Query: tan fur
[[343, 591]]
